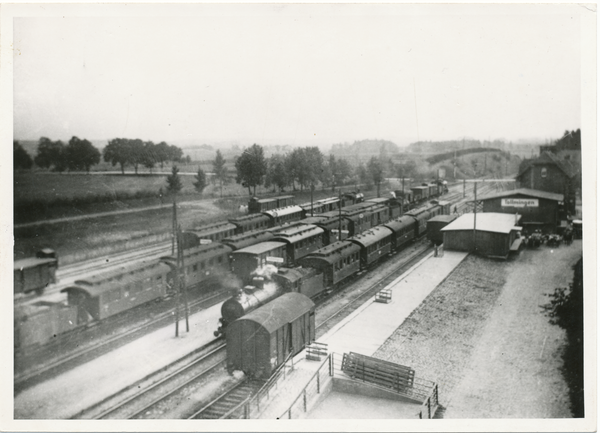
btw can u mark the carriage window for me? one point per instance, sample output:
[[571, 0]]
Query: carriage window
[[544, 172], [195, 267]]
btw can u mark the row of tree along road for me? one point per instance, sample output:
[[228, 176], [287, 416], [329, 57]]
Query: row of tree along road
[[82, 155], [301, 167]]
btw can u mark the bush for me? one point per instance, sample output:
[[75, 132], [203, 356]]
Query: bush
[[565, 309]]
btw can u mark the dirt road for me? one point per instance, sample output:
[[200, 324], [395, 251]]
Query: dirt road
[[483, 337]]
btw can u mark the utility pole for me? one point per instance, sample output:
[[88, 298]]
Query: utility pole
[[312, 189], [340, 218], [464, 187], [475, 218], [181, 286], [174, 225]]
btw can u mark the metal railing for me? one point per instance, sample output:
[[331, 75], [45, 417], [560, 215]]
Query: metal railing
[[430, 404], [314, 387]]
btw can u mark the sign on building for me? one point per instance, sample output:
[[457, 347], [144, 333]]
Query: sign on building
[[520, 202], [272, 259]]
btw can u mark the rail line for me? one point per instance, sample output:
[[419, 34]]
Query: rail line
[[31, 377]]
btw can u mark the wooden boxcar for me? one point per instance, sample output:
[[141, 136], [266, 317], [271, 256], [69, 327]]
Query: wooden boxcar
[[256, 205], [42, 321], [263, 339], [337, 262], [361, 219], [350, 198], [394, 205], [420, 215], [284, 215], [300, 240], [113, 292], [251, 222], [435, 224], [35, 273], [247, 260], [374, 244], [201, 263], [237, 242], [403, 231], [210, 233], [420, 193]]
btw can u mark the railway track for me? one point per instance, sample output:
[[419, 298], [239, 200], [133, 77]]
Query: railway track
[[145, 397], [85, 351]]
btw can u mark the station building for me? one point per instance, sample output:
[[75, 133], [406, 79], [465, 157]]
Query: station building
[[489, 234], [538, 209]]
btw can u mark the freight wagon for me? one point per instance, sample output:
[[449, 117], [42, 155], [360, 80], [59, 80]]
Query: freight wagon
[[262, 340], [35, 273]]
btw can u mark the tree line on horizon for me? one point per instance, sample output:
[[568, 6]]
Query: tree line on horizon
[[81, 155]]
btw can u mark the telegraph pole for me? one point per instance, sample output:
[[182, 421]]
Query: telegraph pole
[[475, 218], [181, 289], [340, 218]]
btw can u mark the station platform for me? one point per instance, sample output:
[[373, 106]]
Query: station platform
[[68, 394], [364, 332]]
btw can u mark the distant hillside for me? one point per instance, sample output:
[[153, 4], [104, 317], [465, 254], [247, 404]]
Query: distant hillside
[[437, 147], [364, 148], [448, 155]]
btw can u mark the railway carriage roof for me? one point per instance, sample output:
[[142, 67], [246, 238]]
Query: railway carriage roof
[[213, 228], [251, 217], [486, 222], [95, 289], [282, 211], [298, 235], [371, 236], [279, 312], [400, 223], [526, 192], [315, 219], [444, 218], [334, 252], [31, 262], [260, 248], [129, 269]]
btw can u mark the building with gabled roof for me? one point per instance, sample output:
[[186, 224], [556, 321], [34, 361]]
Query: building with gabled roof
[[551, 174]]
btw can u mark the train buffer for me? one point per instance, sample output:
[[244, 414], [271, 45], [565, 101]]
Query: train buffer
[[384, 296], [316, 351]]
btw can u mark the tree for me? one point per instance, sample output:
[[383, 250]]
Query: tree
[[149, 155], [174, 184], [175, 153], [21, 158], [220, 170], [81, 154], [306, 165], [135, 150], [375, 169], [200, 183], [277, 174], [251, 167], [51, 154], [162, 153], [117, 152]]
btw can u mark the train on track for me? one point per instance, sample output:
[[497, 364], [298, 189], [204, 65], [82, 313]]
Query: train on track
[[319, 271], [305, 241]]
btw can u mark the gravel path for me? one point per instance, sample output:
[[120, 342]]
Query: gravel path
[[483, 337]]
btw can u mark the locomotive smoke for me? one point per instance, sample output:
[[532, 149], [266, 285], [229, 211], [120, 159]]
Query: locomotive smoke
[[266, 272]]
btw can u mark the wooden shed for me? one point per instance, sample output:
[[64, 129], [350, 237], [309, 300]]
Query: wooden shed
[[538, 209], [260, 341], [489, 234]]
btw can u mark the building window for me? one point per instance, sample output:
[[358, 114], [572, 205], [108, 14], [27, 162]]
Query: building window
[[544, 172]]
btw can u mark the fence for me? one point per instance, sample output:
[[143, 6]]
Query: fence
[[430, 404], [314, 387]]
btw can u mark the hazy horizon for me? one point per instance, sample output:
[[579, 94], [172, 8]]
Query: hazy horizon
[[315, 74]]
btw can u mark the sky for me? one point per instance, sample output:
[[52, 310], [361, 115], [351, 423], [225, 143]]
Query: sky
[[297, 74]]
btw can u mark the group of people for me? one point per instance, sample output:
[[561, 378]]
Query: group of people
[[537, 238]]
